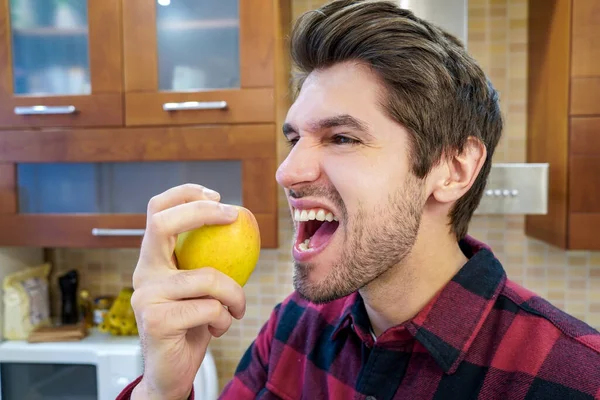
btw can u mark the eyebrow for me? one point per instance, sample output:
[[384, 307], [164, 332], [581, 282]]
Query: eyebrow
[[343, 120]]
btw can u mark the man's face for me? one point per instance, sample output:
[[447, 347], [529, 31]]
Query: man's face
[[355, 203]]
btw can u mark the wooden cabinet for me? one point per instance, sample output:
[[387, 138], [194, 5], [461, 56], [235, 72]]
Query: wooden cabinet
[[564, 119], [225, 48], [60, 66], [178, 92]]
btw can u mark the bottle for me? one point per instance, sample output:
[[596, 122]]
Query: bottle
[[85, 306], [68, 286]]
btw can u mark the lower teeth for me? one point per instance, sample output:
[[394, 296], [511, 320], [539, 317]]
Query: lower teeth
[[304, 245]]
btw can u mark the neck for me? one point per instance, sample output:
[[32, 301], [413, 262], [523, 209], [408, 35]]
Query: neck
[[400, 293]]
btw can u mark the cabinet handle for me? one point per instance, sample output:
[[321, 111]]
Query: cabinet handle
[[195, 105], [117, 232], [45, 110]]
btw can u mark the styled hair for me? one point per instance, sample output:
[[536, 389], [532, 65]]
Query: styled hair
[[433, 87]]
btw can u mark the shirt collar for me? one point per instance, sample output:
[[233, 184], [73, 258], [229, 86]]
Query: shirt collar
[[449, 323]]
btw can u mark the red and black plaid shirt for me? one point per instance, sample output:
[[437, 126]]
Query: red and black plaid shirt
[[481, 337]]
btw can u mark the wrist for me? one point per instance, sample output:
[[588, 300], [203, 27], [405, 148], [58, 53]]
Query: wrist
[[143, 391]]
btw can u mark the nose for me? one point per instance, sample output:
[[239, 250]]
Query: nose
[[302, 165]]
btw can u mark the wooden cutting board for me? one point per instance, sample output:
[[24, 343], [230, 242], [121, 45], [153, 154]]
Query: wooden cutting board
[[63, 333]]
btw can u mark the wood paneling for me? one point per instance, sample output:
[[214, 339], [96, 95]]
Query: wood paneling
[[586, 38], [244, 106], [259, 185], [105, 36], [269, 232], [584, 187], [140, 46], [6, 77], [257, 43], [585, 136], [585, 96], [226, 142], [8, 188], [76, 230], [584, 231], [548, 107]]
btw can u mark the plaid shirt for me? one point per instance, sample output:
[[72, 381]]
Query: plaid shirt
[[481, 337]]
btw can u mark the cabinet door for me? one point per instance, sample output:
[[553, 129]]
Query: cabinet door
[[586, 39], [585, 58], [199, 61], [584, 184], [60, 63], [91, 189]]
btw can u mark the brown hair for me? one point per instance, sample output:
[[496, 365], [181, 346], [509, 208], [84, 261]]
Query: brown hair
[[434, 88]]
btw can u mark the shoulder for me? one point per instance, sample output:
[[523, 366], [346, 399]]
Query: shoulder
[[557, 322], [559, 352]]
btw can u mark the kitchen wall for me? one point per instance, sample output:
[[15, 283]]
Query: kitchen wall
[[570, 280]]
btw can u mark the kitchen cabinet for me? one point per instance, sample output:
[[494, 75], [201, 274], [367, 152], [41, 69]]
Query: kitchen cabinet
[[60, 63], [564, 119], [179, 92], [201, 62]]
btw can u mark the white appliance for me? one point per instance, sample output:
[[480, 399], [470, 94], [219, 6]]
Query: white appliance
[[98, 367]]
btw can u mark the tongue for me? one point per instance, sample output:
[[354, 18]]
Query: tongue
[[323, 234]]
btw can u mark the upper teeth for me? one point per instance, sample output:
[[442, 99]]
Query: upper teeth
[[316, 213]]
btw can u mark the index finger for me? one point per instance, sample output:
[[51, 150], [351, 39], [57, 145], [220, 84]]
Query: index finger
[[181, 194], [204, 282]]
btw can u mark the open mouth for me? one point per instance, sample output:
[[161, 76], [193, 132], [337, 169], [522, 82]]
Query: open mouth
[[315, 228]]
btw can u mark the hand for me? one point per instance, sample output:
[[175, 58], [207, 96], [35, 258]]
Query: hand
[[179, 311]]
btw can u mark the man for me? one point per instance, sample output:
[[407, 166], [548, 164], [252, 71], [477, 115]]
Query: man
[[391, 135]]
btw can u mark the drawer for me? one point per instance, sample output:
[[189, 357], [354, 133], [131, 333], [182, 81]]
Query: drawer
[[94, 110], [211, 107]]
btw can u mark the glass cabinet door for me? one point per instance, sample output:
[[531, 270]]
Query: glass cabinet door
[[62, 64], [199, 61], [50, 51], [198, 45], [114, 187]]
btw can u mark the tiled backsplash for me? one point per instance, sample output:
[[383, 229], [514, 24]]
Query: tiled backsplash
[[570, 280]]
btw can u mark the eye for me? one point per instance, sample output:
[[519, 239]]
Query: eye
[[292, 142], [344, 140]]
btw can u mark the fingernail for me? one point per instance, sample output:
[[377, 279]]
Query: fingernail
[[210, 193], [229, 211]]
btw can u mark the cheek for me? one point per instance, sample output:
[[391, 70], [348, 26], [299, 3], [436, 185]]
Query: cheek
[[359, 183]]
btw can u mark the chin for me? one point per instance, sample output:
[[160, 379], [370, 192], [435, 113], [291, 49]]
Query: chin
[[323, 279], [315, 292]]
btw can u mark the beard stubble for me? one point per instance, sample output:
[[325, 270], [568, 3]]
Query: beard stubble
[[374, 241]]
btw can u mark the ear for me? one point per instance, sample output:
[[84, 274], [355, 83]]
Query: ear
[[458, 173]]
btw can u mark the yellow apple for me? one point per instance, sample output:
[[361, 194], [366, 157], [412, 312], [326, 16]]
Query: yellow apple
[[232, 249]]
